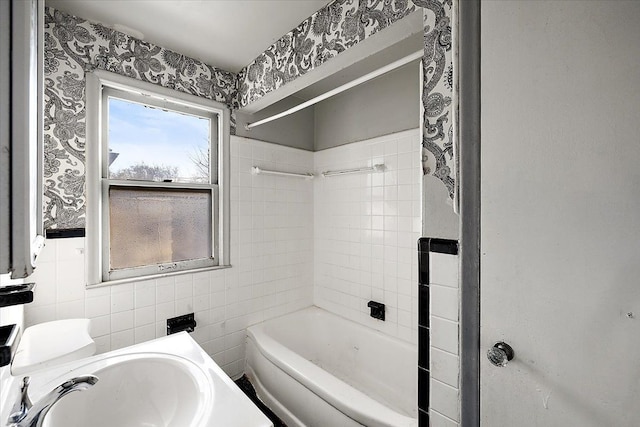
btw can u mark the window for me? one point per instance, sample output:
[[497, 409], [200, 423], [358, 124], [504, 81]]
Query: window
[[157, 199]]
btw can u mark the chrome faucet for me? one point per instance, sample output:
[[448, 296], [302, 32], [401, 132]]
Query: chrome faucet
[[26, 414]]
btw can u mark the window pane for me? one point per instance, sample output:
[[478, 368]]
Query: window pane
[[152, 144], [154, 226]]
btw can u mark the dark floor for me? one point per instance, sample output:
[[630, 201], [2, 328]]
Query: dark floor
[[246, 386]]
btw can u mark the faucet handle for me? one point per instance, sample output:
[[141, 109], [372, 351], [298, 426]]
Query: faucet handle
[[22, 406]]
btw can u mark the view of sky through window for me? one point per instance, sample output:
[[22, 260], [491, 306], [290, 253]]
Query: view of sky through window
[[152, 144]]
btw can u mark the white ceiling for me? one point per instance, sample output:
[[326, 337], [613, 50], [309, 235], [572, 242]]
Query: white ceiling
[[227, 34]]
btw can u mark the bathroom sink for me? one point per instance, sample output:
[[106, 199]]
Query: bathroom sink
[[167, 382], [143, 389]]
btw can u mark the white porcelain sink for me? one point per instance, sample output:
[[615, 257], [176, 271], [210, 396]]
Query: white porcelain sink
[[142, 389], [167, 382]]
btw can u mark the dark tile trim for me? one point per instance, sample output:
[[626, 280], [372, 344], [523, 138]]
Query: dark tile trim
[[423, 268], [444, 246], [247, 388], [434, 244], [423, 305], [423, 418], [423, 244], [56, 233], [424, 344], [423, 389], [426, 245]]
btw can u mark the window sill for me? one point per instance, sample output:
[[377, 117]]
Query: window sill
[[154, 276]]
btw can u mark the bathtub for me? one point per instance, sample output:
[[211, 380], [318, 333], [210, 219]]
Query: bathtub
[[313, 368]]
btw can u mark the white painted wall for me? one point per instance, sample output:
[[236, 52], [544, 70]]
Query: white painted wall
[[438, 218], [560, 212], [295, 130], [385, 105]]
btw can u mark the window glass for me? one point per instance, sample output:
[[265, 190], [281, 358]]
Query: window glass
[[155, 171], [157, 225], [153, 144]]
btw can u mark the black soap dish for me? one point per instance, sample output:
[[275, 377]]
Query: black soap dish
[[16, 294], [8, 343], [377, 310], [181, 323]]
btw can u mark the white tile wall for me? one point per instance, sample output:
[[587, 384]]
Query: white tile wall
[[337, 242], [271, 274], [366, 229], [438, 420], [444, 399]]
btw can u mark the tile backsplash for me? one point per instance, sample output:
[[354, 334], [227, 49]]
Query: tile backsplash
[[335, 242], [366, 228], [444, 387], [271, 273]]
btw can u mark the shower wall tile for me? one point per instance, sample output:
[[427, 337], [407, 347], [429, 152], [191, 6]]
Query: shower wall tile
[[444, 302], [439, 420], [443, 269], [446, 399], [445, 367], [444, 334], [271, 273], [365, 230], [443, 311]]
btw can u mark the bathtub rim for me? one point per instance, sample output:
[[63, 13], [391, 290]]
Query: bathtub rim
[[325, 384]]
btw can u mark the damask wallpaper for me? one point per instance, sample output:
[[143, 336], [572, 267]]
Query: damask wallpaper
[[328, 32], [342, 24], [74, 46], [437, 92]]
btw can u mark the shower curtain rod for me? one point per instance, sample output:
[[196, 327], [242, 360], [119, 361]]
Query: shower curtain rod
[[257, 171], [375, 168], [380, 71]]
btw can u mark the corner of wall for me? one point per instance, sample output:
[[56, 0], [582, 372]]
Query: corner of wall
[[439, 219]]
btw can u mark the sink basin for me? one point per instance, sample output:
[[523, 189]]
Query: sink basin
[[151, 390], [166, 382]]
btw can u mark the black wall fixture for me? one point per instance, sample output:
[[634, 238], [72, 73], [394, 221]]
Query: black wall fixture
[[66, 233], [377, 309], [9, 340], [181, 323], [16, 294], [425, 246]]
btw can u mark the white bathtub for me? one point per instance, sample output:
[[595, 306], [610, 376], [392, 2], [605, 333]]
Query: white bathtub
[[313, 368]]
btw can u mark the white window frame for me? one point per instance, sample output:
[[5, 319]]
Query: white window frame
[[100, 85]]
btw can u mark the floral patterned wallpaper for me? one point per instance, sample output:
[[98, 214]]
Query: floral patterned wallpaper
[[437, 92], [331, 30], [74, 46], [342, 24]]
